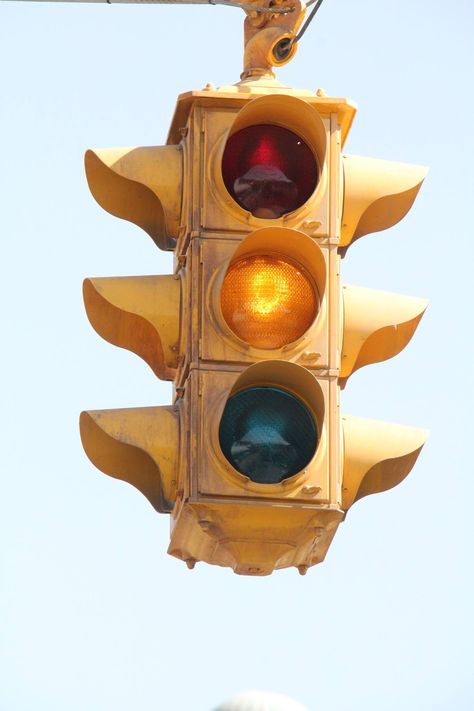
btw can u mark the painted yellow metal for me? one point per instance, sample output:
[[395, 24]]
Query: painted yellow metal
[[377, 195], [290, 112], [142, 185], [233, 97], [218, 340], [292, 243], [218, 211], [138, 445], [142, 314], [263, 32], [377, 326], [216, 478], [253, 539], [176, 324], [290, 376], [377, 456]]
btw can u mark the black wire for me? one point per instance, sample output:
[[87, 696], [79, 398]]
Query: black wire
[[306, 24]]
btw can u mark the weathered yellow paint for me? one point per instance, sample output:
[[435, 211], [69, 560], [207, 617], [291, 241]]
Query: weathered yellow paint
[[142, 185], [175, 323], [141, 314], [288, 111], [214, 208], [263, 32], [377, 194], [233, 97], [253, 538], [290, 376], [137, 445], [377, 456], [218, 341], [377, 325], [215, 476]]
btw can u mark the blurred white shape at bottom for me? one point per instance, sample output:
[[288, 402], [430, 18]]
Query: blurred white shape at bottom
[[260, 701]]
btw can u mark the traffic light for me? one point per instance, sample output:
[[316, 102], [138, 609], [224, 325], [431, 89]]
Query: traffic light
[[253, 459]]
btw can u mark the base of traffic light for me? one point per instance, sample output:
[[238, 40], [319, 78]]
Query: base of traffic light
[[252, 540]]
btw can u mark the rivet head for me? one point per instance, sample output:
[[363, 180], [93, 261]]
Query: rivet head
[[309, 356], [311, 490], [311, 226]]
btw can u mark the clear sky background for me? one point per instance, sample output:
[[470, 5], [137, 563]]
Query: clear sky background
[[93, 613]]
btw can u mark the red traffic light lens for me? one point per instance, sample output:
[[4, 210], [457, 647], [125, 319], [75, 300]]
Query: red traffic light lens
[[269, 170]]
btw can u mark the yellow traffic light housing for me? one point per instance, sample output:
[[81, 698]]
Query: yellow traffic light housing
[[134, 184], [377, 194], [253, 460], [138, 445], [377, 326], [265, 297], [269, 38], [377, 456], [141, 314]]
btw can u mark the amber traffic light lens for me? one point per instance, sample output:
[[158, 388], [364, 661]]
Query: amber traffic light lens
[[268, 301], [269, 170]]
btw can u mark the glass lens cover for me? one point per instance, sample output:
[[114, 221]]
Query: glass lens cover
[[268, 301], [269, 170], [267, 434]]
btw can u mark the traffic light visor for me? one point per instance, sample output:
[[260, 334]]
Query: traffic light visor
[[377, 194], [272, 422], [142, 185], [274, 156], [267, 433], [272, 289]]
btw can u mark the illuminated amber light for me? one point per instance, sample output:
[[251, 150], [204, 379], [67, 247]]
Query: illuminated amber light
[[267, 301]]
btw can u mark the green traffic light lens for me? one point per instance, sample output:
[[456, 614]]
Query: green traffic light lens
[[267, 434]]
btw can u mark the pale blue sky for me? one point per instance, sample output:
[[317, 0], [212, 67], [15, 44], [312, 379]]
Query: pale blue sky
[[93, 613]]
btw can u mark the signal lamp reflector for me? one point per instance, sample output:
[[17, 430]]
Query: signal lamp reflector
[[268, 301], [267, 434], [269, 170]]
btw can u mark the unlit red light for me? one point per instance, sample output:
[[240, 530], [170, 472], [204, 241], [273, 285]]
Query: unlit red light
[[269, 170], [267, 301]]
